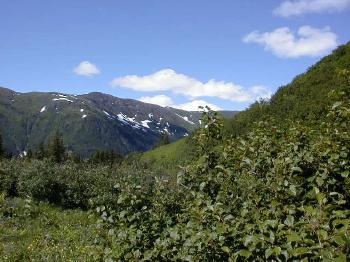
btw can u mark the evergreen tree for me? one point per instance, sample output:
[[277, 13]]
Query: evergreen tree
[[41, 152], [164, 140], [106, 157], [2, 150], [57, 149], [30, 153]]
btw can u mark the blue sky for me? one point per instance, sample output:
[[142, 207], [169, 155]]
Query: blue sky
[[175, 53]]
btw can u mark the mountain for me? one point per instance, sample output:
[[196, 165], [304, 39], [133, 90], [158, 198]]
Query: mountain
[[89, 122]]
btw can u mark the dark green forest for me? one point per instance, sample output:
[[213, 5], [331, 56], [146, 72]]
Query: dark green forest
[[271, 184]]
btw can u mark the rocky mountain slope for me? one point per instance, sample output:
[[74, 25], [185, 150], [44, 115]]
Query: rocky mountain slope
[[90, 122]]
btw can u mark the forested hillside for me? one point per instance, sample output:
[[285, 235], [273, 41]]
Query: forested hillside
[[271, 185], [88, 123]]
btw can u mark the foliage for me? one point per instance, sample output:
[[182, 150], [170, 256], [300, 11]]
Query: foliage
[[273, 194], [106, 157], [31, 231], [164, 140], [167, 157], [56, 148], [304, 99], [2, 150]]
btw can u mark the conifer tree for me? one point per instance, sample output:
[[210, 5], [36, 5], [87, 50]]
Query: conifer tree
[[2, 150], [41, 152], [164, 139], [57, 149], [30, 153]]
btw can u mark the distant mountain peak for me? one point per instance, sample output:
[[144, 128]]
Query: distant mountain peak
[[90, 122]]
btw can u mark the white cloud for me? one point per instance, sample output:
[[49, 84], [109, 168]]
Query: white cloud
[[169, 80], [195, 104], [161, 100], [299, 7], [86, 68], [284, 43], [164, 101]]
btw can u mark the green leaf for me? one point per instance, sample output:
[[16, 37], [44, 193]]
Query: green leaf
[[297, 169], [341, 258], [319, 181], [336, 104], [345, 173], [243, 253], [277, 251], [226, 249], [289, 221], [293, 190], [293, 237], [300, 251], [268, 252]]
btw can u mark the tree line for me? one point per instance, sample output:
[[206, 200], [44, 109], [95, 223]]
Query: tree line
[[56, 151]]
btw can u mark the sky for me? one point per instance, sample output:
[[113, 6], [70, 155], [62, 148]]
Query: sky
[[184, 53]]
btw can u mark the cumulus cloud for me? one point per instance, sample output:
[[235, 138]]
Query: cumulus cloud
[[164, 101], [300, 7], [195, 104], [169, 80], [283, 42], [161, 100], [86, 68]]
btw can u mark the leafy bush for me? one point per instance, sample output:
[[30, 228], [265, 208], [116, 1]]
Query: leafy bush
[[68, 184], [273, 194]]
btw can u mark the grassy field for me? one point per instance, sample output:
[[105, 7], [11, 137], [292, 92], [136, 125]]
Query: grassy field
[[171, 155], [41, 232]]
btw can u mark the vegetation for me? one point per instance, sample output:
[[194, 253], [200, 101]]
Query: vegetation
[[164, 140], [2, 150], [31, 231], [57, 149], [305, 99], [273, 190], [106, 157]]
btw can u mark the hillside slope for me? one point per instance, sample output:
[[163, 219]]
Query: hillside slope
[[90, 122], [305, 99]]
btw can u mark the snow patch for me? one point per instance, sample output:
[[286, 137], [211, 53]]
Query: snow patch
[[84, 116], [150, 115], [82, 110], [185, 118], [43, 109], [66, 96], [23, 153], [145, 123], [128, 121], [62, 99], [122, 118]]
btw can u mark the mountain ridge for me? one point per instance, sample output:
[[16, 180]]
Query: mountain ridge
[[89, 122]]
